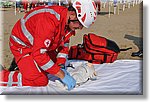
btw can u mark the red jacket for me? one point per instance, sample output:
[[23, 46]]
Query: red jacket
[[40, 31]]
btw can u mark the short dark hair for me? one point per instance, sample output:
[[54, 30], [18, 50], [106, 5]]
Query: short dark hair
[[71, 8]]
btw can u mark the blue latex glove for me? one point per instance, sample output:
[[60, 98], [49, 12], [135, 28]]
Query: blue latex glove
[[68, 80]]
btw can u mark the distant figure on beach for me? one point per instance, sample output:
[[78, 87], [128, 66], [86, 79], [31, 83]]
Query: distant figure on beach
[[33, 4], [18, 5], [98, 5], [25, 5]]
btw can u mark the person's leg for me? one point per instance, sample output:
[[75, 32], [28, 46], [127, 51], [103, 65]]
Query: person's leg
[[25, 7], [28, 74], [99, 6], [10, 78], [32, 75]]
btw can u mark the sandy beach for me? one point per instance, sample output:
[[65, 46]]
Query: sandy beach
[[125, 29]]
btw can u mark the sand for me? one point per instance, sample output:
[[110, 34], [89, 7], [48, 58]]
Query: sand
[[125, 29]]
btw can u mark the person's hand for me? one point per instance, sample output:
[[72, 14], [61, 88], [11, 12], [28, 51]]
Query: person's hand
[[68, 80]]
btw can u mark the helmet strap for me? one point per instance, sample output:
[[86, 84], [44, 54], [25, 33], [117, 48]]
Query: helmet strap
[[69, 20]]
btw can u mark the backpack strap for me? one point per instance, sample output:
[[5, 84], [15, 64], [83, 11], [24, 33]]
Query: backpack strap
[[126, 49], [68, 35]]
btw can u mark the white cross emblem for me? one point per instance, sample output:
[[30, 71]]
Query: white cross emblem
[[47, 43]]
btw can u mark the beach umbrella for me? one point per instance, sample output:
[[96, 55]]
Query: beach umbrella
[[115, 2], [109, 8], [118, 5], [133, 2], [104, 3], [129, 3], [140, 1], [136, 2], [115, 5], [59, 1], [15, 8], [124, 4]]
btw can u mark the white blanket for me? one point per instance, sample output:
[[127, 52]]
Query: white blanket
[[120, 77]]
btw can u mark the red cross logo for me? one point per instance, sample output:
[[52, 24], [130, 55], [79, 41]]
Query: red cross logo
[[47, 42]]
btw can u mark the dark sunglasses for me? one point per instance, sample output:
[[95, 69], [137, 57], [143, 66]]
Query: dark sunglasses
[[74, 20]]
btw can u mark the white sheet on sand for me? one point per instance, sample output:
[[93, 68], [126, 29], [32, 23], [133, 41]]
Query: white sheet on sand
[[120, 77]]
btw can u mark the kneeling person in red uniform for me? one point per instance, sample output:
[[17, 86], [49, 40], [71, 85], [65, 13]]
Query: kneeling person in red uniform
[[40, 43]]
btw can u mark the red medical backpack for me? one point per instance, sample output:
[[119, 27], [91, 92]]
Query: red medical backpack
[[95, 49]]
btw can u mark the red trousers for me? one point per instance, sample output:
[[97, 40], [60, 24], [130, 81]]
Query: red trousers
[[98, 5], [25, 5], [30, 73]]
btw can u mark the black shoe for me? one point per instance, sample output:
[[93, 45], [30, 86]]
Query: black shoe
[[13, 66], [137, 54], [98, 12]]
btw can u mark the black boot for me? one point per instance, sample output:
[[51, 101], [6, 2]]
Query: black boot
[[13, 66], [137, 54]]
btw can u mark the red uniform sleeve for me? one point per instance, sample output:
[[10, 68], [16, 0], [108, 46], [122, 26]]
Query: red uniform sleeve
[[63, 53], [44, 33], [64, 49]]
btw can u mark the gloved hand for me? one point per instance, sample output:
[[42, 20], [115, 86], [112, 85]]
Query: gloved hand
[[68, 80], [64, 70]]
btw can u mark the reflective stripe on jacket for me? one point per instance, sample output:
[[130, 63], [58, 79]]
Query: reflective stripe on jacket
[[41, 30]]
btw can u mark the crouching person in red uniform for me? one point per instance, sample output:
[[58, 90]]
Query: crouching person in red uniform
[[40, 41]]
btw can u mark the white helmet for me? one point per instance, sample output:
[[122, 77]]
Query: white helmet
[[86, 11]]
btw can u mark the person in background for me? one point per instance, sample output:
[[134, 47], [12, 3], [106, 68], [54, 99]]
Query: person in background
[[18, 6], [33, 4], [25, 5], [98, 5]]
